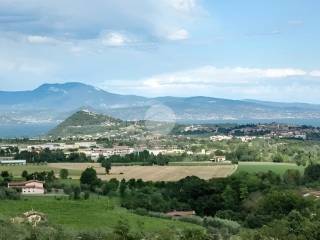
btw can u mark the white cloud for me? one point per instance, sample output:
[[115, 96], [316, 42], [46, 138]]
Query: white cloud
[[275, 84], [180, 34], [115, 39], [269, 73], [210, 75], [25, 66], [315, 73], [35, 39], [42, 21], [183, 5]]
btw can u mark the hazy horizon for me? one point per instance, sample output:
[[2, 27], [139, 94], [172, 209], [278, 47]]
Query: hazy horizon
[[146, 96]]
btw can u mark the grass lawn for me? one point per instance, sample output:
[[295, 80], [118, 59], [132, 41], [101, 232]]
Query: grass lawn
[[17, 170], [94, 213], [255, 167]]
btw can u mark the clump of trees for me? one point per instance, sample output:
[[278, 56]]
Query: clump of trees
[[145, 158], [243, 152], [46, 176]]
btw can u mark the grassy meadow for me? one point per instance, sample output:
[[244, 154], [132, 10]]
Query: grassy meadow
[[16, 170], [278, 168], [94, 214]]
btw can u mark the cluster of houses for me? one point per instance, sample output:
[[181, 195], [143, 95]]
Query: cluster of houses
[[219, 138], [94, 150], [265, 131]]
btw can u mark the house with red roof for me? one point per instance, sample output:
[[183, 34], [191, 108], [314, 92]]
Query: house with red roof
[[28, 187]]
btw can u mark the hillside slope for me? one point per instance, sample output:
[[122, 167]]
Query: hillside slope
[[86, 122]]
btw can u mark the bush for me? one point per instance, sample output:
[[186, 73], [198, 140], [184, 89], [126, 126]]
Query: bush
[[232, 226], [192, 219], [8, 193]]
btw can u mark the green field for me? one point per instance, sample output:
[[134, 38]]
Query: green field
[[16, 171], [255, 167], [96, 213]]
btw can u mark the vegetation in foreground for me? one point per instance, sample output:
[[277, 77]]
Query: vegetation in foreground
[[256, 167], [96, 213], [122, 231]]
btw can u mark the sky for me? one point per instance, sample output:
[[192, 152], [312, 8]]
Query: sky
[[248, 49]]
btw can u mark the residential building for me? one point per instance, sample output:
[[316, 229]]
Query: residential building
[[28, 187], [219, 159], [12, 162]]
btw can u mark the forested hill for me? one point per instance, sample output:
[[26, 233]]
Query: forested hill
[[85, 122]]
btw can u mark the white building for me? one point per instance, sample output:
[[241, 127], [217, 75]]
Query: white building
[[85, 144], [12, 162], [247, 138], [219, 138], [28, 187], [219, 159], [108, 152]]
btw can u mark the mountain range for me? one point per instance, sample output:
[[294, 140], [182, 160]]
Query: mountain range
[[53, 103]]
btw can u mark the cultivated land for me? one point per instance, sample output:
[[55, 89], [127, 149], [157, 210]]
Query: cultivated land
[[173, 172], [154, 173], [96, 213], [16, 171], [255, 167]]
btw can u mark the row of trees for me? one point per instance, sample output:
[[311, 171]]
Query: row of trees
[[48, 155], [145, 158]]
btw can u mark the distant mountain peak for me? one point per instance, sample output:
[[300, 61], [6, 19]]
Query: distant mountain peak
[[88, 112], [64, 86]]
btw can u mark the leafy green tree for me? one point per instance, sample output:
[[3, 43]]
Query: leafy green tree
[[89, 177], [229, 198], [76, 193], [24, 174], [292, 177], [244, 192], [106, 164], [123, 187], [312, 172], [86, 195], [277, 158], [64, 173], [280, 203]]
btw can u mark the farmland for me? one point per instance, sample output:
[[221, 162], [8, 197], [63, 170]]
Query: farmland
[[147, 173], [97, 213], [172, 172], [16, 171], [154, 173], [278, 168]]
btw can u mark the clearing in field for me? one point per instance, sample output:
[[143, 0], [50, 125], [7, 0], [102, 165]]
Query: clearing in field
[[153, 173]]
